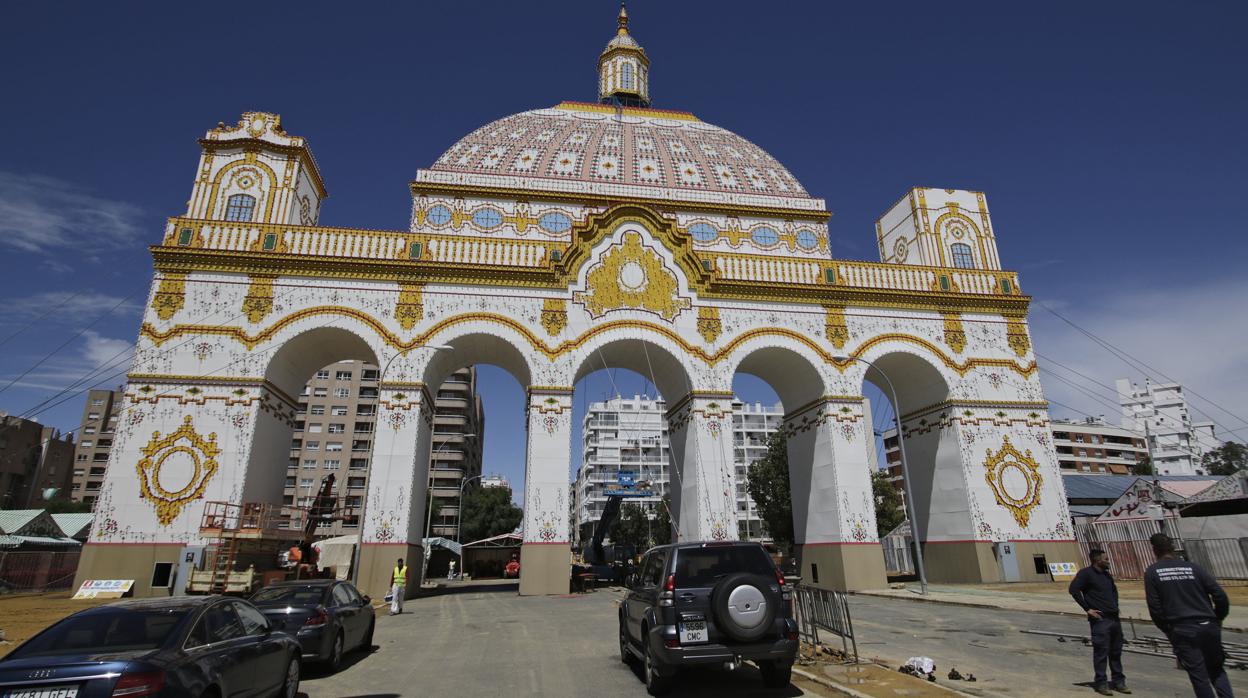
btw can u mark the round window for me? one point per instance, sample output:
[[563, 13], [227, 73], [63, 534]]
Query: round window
[[703, 232], [487, 218], [806, 239], [438, 215], [764, 236], [554, 222]]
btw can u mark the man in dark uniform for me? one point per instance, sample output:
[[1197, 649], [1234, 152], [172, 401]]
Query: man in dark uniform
[[1095, 592], [1187, 605]]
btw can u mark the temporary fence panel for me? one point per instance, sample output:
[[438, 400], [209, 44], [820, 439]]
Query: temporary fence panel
[[1221, 557], [38, 570], [1130, 553], [823, 609], [897, 556]]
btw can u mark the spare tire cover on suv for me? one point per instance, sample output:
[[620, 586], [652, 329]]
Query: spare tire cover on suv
[[744, 605]]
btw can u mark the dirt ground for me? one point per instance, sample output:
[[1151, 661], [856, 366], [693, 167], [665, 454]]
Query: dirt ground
[[23, 615], [1127, 589], [875, 680]]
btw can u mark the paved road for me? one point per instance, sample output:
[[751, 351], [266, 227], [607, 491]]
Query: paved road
[[493, 644], [988, 643]]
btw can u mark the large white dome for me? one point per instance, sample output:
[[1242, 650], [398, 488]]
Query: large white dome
[[651, 152]]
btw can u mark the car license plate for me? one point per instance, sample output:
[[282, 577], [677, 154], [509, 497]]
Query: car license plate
[[693, 632], [47, 692]]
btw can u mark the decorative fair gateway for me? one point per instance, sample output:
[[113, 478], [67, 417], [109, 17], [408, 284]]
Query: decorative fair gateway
[[560, 241]]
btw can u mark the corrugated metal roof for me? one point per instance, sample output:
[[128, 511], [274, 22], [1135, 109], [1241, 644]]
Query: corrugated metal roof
[[1111, 487], [72, 524], [1087, 509], [14, 519]]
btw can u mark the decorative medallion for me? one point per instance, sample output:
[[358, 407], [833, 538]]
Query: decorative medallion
[[170, 296], [955, 334], [901, 250], [630, 275], [836, 327], [176, 468], [554, 316], [1015, 480], [411, 307], [1016, 335], [259, 299], [709, 325]]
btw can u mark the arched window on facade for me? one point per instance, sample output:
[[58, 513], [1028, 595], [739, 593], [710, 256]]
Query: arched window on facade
[[240, 207], [627, 80], [962, 257]]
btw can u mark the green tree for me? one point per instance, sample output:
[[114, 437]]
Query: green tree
[[1227, 459], [768, 483], [889, 512], [488, 511], [1143, 467], [67, 506], [661, 531], [632, 527]]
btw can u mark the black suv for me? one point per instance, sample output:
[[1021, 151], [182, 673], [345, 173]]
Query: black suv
[[708, 603]]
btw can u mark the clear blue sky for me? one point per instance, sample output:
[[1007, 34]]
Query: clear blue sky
[[1107, 136]]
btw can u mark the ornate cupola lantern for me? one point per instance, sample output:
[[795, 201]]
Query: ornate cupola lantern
[[623, 69]]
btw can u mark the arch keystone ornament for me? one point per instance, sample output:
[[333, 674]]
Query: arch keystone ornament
[[1004, 470], [170, 501], [632, 276]]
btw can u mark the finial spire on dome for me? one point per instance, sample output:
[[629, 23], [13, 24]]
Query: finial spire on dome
[[624, 69]]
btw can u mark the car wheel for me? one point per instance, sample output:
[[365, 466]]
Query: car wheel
[[368, 635], [335, 654], [776, 674], [655, 685], [290, 687], [625, 655], [745, 606]]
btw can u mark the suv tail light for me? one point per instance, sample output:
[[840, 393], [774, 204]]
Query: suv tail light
[[134, 684], [780, 577], [668, 596], [321, 618]]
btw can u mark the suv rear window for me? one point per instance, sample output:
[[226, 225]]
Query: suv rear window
[[703, 567]]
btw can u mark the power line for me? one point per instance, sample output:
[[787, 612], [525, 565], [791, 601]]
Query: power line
[[1138, 364], [42, 317]]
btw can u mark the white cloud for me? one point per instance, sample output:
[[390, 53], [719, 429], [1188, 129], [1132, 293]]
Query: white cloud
[[99, 350], [1196, 335], [45, 215], [65, 307]]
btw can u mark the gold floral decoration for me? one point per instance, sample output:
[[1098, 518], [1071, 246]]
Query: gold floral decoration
[[1016, 335], [835, 326], [170, 296], [410, 308], [258, 302], [554, 316], [709, 325], [630, 275], [955, 334], [185, 440], [1005, 460]]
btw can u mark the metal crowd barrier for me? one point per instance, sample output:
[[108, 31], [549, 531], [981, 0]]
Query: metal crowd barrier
[[819, 609]]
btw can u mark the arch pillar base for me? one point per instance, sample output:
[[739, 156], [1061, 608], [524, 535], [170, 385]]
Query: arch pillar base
[[842, 566], [377, 563], [545, 568]]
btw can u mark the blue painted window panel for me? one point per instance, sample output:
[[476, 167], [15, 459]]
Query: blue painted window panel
[[962, 257], [487, 218], [240, 207], [438, 215], [554, 222], [806, 239], [765, 236], [703, 232]]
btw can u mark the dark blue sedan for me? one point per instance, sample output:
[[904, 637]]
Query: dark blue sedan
[[329, 618], [192, 646]]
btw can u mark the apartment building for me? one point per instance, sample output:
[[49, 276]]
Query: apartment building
[[100, 413], [627, 438], [335, 433], [495, 480], [1159, 412], [34, 463]]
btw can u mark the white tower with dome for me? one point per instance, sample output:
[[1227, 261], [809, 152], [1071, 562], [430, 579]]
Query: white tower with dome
[[564, 240]]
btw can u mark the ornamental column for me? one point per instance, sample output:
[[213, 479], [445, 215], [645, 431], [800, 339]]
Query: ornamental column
[[703, 481], [394, 516], [833, 505], [546, 553]]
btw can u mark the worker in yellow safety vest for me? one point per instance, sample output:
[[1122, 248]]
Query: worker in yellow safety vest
[[398, 583]]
